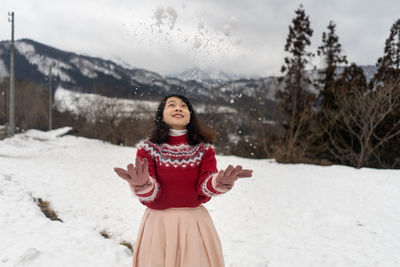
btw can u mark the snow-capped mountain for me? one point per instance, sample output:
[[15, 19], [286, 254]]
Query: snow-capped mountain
[[369, 72], [116, 78], [122, 62], [106, 77], [209, 74], [94, 75], [77, 72]]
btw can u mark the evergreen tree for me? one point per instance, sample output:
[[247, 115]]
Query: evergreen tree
[[388, 66], [388, 76], [336, 137], [331, 53], [295, 100], [352, 78]]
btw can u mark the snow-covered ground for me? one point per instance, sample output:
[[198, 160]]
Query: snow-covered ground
[[285, 216]]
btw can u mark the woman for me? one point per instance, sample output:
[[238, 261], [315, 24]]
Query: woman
[[175, 172]]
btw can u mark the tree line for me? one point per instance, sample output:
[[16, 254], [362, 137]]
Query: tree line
[[350, 121]]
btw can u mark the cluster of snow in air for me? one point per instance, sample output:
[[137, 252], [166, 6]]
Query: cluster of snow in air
[[89, 69], [43, 63], [215, 39], [196, 38], [230, 27], [165, 16]]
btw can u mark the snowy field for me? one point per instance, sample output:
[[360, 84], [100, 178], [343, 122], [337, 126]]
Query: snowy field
[[285, 216]]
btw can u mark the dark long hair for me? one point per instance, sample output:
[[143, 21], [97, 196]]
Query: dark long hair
[[197, 130]]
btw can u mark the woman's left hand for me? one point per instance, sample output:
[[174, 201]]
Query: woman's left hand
[[225, 180]]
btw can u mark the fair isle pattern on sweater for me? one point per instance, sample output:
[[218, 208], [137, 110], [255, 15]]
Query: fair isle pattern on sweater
[[182, 155], [180, 171]]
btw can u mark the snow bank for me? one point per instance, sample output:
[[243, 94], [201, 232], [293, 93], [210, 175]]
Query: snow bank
[[285, 216]]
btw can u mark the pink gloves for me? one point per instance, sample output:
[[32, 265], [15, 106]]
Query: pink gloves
[[140, 181], [225, 180], [138, 178]]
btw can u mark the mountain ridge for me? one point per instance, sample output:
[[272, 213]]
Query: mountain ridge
[[89, 74]]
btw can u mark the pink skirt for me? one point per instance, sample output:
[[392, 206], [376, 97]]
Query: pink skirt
[[177, 237]]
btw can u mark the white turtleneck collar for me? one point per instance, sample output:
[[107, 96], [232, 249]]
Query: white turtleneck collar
[[173, 132]]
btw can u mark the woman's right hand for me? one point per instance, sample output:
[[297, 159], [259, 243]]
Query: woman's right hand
[[138, 177]]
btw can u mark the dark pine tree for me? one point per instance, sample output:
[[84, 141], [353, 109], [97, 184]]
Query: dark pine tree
[[388, 66], [352, 78], [295, 99], [331, 53], [351, 81], [388, 75]]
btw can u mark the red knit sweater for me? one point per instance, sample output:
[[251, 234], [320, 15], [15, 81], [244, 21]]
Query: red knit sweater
[[182, 173]]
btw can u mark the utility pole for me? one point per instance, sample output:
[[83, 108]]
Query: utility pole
[[50, 98], [12, 93], [5, 107]]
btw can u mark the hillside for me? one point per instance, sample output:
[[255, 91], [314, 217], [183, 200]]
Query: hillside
[[95, 75]]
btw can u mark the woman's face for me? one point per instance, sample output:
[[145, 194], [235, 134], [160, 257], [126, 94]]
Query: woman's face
[[176, 113]]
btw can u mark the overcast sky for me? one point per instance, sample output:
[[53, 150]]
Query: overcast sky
[[242, 36]]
